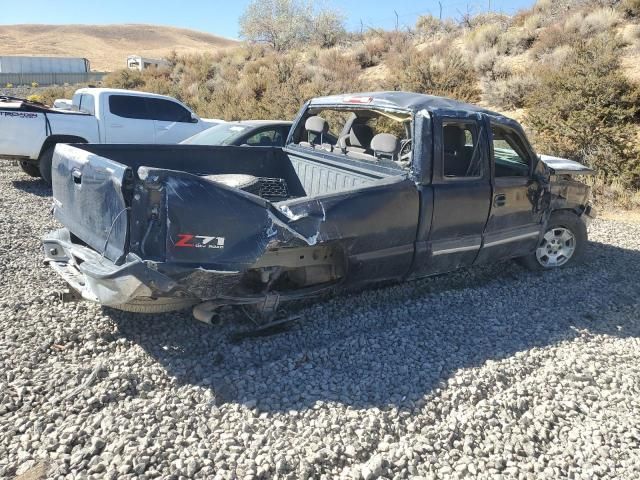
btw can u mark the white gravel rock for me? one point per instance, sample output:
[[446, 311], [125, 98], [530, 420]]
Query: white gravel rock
[[491, 372]]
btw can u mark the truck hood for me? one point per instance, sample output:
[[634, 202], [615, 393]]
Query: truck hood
[[564, 166]]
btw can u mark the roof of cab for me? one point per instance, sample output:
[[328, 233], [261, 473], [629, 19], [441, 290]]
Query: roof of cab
[[413, 102], [119, 91]]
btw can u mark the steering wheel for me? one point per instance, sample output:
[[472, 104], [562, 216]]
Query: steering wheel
[[404, 157]]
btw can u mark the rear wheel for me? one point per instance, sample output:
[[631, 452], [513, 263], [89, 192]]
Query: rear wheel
[[45, 164], [156, 305], [562, 244], [30, 169]]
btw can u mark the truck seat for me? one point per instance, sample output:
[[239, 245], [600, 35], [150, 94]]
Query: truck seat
[[316, 128], [357, 140], [456, 155], [384, 146]]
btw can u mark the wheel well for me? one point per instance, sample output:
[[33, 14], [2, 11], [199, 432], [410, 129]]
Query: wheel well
[[577, 210], [55, 139]]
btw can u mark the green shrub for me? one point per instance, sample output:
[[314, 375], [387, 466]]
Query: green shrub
[[551, 38], [516, 40], [509, 93], [435, 72], [368, 55], [490, 64], [586, 109], [591, 22], [428, 26], [483, 37], [49, 95], [128, 79]]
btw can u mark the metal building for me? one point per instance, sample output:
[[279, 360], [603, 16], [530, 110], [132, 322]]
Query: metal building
[[27, 64]]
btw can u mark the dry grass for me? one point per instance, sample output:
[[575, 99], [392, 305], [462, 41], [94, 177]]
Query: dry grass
[[106, 46], [614, 196]]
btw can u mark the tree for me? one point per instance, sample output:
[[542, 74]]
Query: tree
[[327, 28], [284, 24]]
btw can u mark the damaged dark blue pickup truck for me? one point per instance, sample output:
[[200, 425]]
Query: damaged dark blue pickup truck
[[369, 187]]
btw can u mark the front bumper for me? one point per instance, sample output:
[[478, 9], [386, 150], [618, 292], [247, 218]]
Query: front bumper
[[96, 278]]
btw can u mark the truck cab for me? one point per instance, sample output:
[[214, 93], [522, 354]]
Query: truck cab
[[128, 116]]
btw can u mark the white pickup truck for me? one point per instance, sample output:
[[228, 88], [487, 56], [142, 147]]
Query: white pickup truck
[[30, 131]]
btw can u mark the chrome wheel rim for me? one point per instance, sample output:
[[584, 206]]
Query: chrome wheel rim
[[556, 248]]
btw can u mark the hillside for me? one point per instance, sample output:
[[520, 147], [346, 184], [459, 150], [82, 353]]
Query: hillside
[[106, 46]]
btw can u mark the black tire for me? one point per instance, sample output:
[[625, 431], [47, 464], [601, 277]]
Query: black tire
[[569, 221], [156, 305], [30, 168], [45, 164]]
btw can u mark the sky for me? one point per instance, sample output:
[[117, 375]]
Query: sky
[[220, 17]]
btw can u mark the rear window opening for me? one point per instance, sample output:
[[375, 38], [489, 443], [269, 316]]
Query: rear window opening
[[363, 134]]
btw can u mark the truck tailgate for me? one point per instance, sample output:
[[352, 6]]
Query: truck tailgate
[[89, 201]]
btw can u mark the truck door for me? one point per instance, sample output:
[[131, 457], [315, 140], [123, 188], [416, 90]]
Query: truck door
[[461, 186], [514, 223], [173, 122], [127, 120]]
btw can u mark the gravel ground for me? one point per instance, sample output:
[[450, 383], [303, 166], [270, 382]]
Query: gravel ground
[[491, 372]]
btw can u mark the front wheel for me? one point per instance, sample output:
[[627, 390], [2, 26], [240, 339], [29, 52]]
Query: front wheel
[[562, 244]]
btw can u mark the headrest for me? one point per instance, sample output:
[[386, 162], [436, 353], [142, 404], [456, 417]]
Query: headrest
[[454, 138], [316, 125], [385, 143], [360, 135]]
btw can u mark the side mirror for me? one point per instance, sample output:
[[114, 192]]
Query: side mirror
[[194, 118]]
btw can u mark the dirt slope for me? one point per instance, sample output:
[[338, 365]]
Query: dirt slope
[[106, 46]]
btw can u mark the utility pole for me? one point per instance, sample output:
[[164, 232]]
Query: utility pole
[[397, 20], [440, 4]]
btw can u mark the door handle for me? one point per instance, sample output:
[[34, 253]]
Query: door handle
[[116, 125], [77, 176], [500, 200]]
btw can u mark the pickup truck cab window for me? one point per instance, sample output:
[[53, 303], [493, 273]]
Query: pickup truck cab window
[[129, 106], [84, 103], [167, 111], [460, 153], [510, 157], [370, 135]]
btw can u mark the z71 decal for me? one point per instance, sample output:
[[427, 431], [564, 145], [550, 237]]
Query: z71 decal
[[199, 241]]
